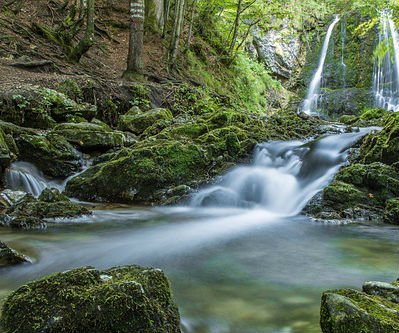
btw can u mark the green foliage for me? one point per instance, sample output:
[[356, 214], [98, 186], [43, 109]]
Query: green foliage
[[140, 96]]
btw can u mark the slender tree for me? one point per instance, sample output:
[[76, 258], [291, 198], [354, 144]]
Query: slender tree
[[135, 63], [177, 29], [88, 39], [190, 29], [235, 28]]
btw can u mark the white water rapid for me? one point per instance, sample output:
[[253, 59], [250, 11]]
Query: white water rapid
[[284, 176], [386, 70], [311, 102]]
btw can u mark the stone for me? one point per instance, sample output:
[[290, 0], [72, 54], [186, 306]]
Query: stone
[[10, 257], [90, 137], [85, 300], [52, 153], [137, 122]]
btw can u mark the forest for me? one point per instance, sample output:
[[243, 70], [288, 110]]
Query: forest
[[192, 166]]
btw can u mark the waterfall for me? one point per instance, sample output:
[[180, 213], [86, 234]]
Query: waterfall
[[386, 69], [283, 177], [24, 176], [310, 103], [343, 40]]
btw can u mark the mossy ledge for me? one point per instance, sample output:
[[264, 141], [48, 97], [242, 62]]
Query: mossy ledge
[[85, 300]]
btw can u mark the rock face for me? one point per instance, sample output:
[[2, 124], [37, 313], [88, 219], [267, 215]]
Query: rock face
[[375, 309], [90, 136], [10, 257], [349, 101], [279, 50], [347, 74], [125, 299]]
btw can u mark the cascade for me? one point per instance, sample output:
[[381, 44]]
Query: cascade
[[24, 176], [284, 176], [310, 103], [386, 70]]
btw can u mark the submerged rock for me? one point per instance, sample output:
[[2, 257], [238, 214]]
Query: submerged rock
[[124, 299], [52, 153], [375, 309], [88, 137], [10, 257]]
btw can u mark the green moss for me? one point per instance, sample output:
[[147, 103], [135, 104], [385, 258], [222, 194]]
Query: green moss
[[71, 89], [344, 195], [126, 299]]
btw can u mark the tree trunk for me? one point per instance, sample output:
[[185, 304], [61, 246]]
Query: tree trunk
[[177, 29], [236, 27], [166, 17], [135, 62], [190, 30], [88, 40]]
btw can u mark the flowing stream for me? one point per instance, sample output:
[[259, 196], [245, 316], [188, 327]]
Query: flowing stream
[[311, 102], [240, 258], [386, 68]]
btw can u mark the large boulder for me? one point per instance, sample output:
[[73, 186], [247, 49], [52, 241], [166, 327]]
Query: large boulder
[[90, 136], [137, 122], [373, 310], [52, 153], [125, 300], [138, 174]]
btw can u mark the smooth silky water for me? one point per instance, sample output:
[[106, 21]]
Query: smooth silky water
[[245, 263]]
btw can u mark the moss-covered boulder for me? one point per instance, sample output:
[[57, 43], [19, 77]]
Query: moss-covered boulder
[[375, 309], [391, 214], [125, 300], [137, 122], [384, 145], [52, 153], [138, 174], [51, 204], [90, 136], [359, 191], [10, 257]]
